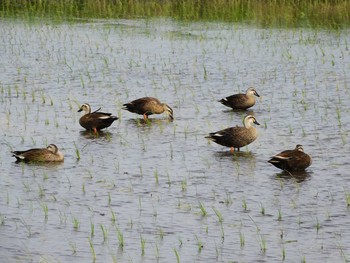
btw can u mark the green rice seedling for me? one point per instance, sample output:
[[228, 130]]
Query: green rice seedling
[[241, 239], [180, 242], [92, 229], [2, 220], [342, 253], [157, 253], [140, 167], [33, 95], [83, 189], [171, 151], [77, 153], [161, 233], [109, 199], [228, 199], [317, 225], [7, 198], [114, 218], [184, 185], [74, 247], [244, 204], [177, 255], [262, 209], [140, 204], [26, 187], [104, 232], [202, 208], [76, 223], [27, 227], [262, 244], [199, 244], [143, 245], [283, 253], [46, 210], [219, 215], [92, 250], [120, 238], [43, 99], [156, 176], [169, 180], [303, 259], [279, 217], [41, 191], [347, 198], [24, 93]]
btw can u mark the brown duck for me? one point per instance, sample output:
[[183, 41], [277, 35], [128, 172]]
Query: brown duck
[[95, 121], [236, 137], [292, 160], [49, 154], [241, 101], [147, 106]]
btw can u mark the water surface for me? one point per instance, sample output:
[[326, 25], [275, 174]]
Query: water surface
[[148, 181]]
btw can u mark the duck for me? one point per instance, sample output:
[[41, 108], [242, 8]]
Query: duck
[[292, 160], [48, 154], [241, 101], [236, 137], [95, 121], [147, 106]]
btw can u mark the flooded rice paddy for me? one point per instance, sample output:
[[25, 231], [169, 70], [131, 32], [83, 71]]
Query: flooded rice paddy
[[160, 191]]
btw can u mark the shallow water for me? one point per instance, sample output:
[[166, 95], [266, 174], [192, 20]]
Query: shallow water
[[148, 180]]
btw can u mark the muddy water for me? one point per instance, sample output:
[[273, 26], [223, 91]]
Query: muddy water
[[148, 181]]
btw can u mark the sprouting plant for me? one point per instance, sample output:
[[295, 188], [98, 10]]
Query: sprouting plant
[[143, 244], [41, 191], [156, 176], [228, 199], [76, 223], [177, 255], [45, 209], [109, 199], [241, 239], [318, 225], [184, 185], [161, 233], [74, 247], [219, 215], [202, 208], [104, 232], [169, 180], [262, 209], [120, 238], [114, 218], [92, 229], [199, 244], [92, 250], [279, 218], [262, 244], [347, 198], [77, 153], [244, 204], [2, 220]]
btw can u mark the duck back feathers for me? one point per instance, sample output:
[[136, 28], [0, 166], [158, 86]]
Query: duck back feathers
[[292, 160]]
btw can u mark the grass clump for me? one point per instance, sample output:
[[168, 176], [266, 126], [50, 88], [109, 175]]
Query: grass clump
[[293, 13]]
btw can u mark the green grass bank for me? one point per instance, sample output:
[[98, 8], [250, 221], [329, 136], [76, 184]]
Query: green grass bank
[[265, 13]]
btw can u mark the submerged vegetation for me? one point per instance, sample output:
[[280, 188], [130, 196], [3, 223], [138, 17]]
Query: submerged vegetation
[[294, 13]]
